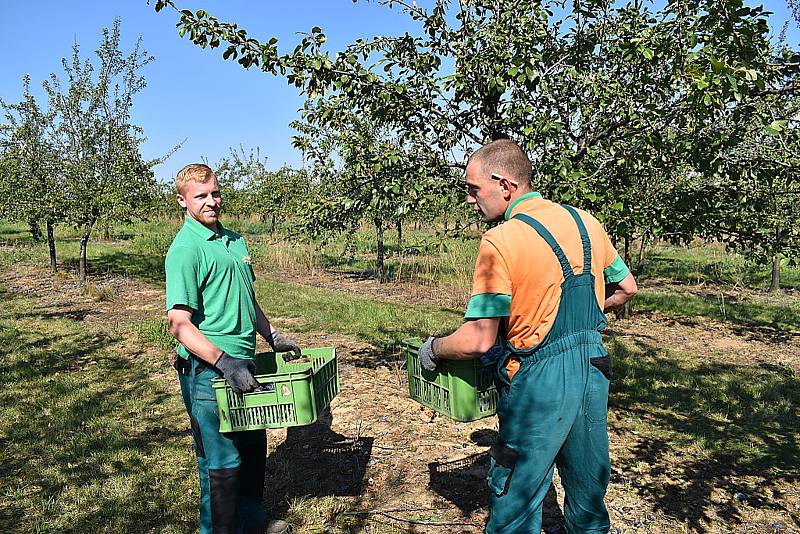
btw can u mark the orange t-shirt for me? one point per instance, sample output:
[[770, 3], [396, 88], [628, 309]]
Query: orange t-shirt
[[515, 264]]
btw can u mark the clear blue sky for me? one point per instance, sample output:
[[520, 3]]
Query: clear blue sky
[[191, 92]]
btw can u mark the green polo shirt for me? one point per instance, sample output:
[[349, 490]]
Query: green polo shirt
[[211, 274]]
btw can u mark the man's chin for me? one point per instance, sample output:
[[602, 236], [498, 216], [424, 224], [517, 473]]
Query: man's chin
[[208, 220]]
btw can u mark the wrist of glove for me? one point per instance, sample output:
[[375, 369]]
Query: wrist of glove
[[238, 372], [282, 343], [427, 356]]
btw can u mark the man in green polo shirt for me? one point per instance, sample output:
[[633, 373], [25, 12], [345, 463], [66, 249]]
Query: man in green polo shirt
[[213, 313]]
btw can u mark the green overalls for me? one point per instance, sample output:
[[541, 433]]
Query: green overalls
[[553, 412]]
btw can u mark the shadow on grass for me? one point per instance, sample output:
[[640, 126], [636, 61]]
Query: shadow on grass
[[142, 266], [722, 269], [724, 422], [397, 268], [58, 311], [463, 483], [314, 461], [17, 236], [383, 355], [771, 322], [83, 431]]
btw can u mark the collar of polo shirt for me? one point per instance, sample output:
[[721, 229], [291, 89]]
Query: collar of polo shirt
[[526, 196], [204, 231]]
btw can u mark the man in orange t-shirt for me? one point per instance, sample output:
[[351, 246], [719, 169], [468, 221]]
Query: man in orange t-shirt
[[535, 288]]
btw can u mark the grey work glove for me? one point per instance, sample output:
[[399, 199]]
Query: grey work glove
[[238, 372], [428, 358], [281, 343]]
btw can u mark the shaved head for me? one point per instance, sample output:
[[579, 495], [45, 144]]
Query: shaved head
[[505, 158]]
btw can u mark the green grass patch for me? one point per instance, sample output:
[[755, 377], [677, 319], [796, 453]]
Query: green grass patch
[[155, 332], [153, 244], [745, 311], [384, 324], [423, 257], [742, 416], [89, 444], [712, 264]]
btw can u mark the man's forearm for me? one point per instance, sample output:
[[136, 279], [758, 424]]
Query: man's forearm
[[472, 340], [617, 294], [262, 323], [195, 342], [615, 300]]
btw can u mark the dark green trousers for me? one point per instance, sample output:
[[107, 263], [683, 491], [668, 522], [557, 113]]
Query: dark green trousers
[[552, 414], [231, 465]]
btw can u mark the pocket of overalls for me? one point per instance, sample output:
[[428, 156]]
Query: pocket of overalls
[[502, 380], [603, 364], [502, 463], [596, 401]]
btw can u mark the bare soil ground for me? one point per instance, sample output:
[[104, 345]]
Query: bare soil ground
[[381, 451]]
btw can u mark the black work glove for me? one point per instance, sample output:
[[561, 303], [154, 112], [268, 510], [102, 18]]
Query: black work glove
[[281, 343], [238, 373], [427, 358]]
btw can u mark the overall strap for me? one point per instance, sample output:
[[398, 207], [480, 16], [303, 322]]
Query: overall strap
[[587, 245], [566, 268]]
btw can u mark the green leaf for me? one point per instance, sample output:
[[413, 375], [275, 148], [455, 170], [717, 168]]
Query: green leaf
[[778, 125]]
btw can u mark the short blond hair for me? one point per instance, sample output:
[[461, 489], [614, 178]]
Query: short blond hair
[[194, 172]]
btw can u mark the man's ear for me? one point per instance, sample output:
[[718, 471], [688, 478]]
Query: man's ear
[[181, 200], [506, 185]]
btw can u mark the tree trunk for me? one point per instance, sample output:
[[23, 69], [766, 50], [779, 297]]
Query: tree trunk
[[82, 260], [380, 267], [36, 231], [626, 251], [776, 273], [272, 224], [625, 311], [51, 245], [400, 234], [641, 260]]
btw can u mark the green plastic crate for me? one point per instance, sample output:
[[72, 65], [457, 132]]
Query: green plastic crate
[[463, 390], [292, 394]]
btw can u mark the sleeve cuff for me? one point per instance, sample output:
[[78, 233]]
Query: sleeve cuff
[[487, 305], [180, 302], [616, 272]]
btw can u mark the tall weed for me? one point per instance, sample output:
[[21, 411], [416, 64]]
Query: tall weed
[[155, 332]]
